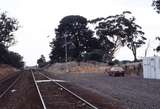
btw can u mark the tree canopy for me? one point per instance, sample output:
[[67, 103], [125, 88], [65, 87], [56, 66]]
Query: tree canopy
[[76, 41], [156, 5], [73, 34], [117, 31], [41, 61], [8, 26]]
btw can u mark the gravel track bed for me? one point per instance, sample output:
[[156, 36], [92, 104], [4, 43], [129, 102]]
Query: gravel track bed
[[38, 76], [5, 83], [132, 92], [57, 98], [23, 95]]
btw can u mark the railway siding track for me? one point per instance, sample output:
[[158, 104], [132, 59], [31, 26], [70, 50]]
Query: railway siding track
[[7, 83], [53, 95]]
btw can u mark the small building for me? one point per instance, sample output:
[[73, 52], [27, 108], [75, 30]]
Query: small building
[[151, 67]]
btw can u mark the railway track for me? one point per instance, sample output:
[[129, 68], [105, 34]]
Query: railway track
[[54, 95], [7, 83]]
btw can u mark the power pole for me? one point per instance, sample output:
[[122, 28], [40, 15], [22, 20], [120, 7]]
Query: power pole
[[146, 50], [66, 52]]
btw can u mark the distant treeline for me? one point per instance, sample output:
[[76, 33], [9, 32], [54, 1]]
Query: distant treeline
[[10, 58]]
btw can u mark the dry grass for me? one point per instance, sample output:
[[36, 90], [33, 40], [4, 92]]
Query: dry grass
[[6, 70], [73, 67]]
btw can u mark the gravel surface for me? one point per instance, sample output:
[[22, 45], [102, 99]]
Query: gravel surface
[[96, 99], [132, 92]]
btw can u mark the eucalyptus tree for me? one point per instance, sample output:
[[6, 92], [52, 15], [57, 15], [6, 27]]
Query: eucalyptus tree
[[117, 31]]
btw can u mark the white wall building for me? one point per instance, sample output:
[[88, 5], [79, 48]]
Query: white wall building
[[151, 67]]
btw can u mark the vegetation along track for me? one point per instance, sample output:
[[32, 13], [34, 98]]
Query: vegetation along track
[[55, 96], [7, 83]]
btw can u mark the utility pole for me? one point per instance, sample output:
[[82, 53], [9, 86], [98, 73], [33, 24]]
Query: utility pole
[[66, 54], [146, 50]]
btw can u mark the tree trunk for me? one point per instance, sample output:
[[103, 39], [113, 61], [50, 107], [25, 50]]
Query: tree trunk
[[135, 54], [135, 58]]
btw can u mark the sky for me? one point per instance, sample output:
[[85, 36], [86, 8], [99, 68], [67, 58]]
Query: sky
[[39, 18]]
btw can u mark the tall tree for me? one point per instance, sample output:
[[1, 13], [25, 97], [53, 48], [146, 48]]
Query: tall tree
[[8, 26], [112, 33], [135, 38], [156, 5], [73, 33], [117, 31]]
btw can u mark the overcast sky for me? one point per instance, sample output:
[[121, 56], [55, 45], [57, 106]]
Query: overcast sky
[[39, 18]]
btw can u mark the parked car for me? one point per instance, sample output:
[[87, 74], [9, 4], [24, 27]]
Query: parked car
[[116, 71]]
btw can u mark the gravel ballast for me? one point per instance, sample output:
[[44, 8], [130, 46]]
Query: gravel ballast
[[23, 95]]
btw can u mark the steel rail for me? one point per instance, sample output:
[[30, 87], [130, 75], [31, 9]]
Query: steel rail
[[10, 86], [40, 95], [80, 98]]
